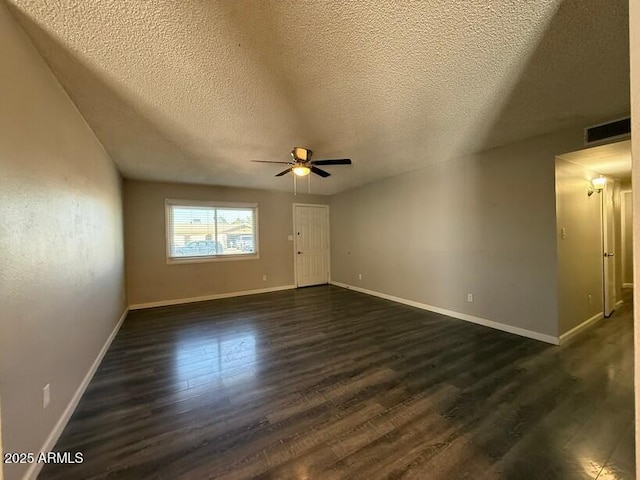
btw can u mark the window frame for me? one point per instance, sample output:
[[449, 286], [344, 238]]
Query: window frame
[[168, 227]]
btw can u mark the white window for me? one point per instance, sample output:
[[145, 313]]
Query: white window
[[205, 231]]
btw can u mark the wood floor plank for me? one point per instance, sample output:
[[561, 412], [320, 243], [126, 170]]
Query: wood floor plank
[[328, 383]]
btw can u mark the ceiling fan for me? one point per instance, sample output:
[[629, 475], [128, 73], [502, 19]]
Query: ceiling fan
[[302, 164]]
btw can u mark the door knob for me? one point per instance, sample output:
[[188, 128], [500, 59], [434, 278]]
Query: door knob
[[299, 253], [609, 254]]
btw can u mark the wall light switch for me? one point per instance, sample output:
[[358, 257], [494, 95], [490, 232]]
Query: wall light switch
[[46, 396], [563, 232], [290, 238]]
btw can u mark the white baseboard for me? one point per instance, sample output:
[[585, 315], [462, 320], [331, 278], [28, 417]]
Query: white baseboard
[[461, 316], [178, 301], [50, 442], [579, 328], [618, 303], [627, 285]]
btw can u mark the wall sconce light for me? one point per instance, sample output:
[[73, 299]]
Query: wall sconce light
[[597, 185]]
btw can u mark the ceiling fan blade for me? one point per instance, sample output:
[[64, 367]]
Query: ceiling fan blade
[[269, 161], [283, 172], [317, 171], [337, 161]]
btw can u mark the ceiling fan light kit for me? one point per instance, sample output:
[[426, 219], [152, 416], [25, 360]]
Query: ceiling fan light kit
[[301, 170]]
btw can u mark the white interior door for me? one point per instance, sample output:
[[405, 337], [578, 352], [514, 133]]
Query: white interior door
[[311, 228], [608, 250]]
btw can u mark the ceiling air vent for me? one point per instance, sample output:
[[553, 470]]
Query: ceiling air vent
[[607, 131]]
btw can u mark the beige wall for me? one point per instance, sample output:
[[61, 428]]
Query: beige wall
[[150, 279], [627, 234], [580, 252], [484, 224], [61, 246]]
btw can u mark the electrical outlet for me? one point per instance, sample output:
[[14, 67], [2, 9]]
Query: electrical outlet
[[469, 297], [46, 396], [264, 278], [359, 276], [563, 232], [590, 298]]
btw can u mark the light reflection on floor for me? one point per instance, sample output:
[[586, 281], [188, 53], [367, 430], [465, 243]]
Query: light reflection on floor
[[226, 358]]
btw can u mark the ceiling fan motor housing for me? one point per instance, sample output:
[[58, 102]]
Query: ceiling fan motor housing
[[301, 154]]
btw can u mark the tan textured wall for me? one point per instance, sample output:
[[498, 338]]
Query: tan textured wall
[[150, 279], [580, 253], [61, 245], [484, 224]]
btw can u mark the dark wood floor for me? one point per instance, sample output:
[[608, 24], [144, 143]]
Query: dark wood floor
[[329, 383]]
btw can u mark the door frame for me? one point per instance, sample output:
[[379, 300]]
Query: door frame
[[295, 239], [623, 228], [607, 215]]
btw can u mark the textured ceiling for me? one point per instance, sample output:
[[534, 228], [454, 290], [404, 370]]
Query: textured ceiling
[[192, 90]]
